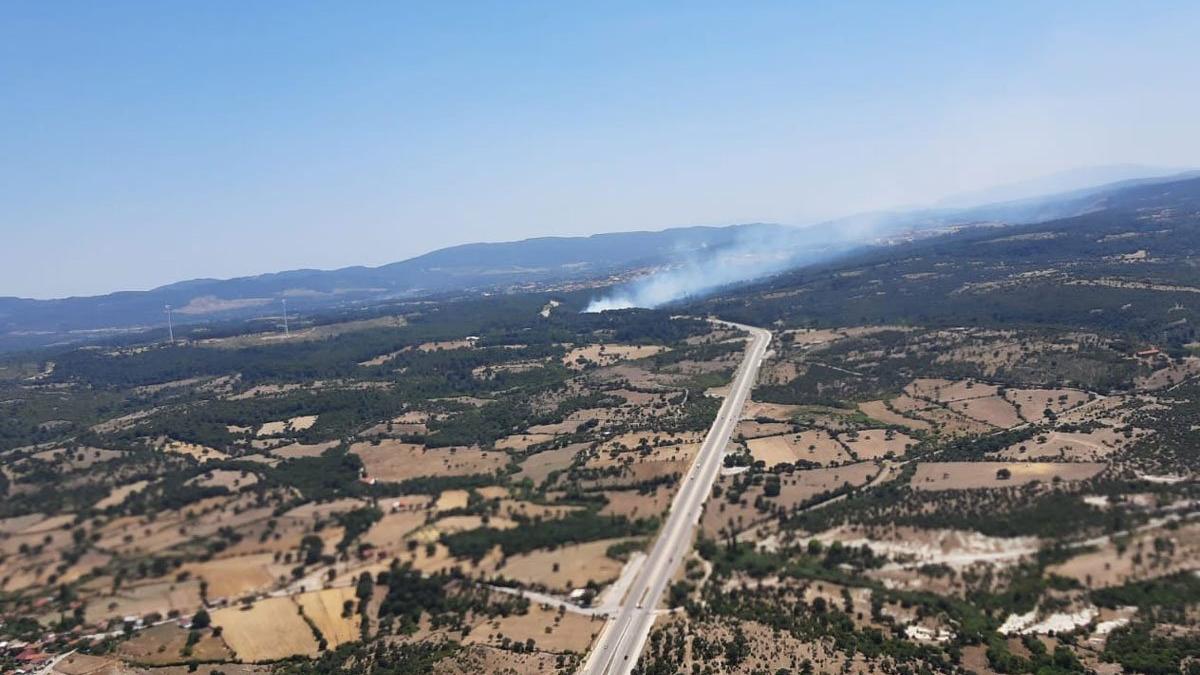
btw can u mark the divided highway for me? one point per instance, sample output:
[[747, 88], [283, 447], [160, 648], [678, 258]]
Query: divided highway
[[617, 649]]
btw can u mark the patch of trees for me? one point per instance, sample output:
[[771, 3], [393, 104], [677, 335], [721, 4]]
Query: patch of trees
[[409, 594], [356, 523], [821, 385], [381, 658], [339, 412], [815, 561], [482, 425], [1031, 510], [444, 597], [1040, 660], [698, 413], [31, 416], [575, 528], [1172, 447], [431, 485], [703, 352], [1140, 648], [332, 475], [171, 493], [485, 424], [817, 621], [968, 448], [1164, 599]]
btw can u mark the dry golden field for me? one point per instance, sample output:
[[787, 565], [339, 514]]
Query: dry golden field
[[796, 488], [142, 599], [390, 531], [878, 410], [566, 568], [163, 644], [877, 443], [325, 610], [294, 450], [633, 504], [607, 354], [269, 630], [815, 445], [521, 442], [1142, 556], [973, 475], [452, 499], [199, 452], [551, 630], [1094, 445], [238, 576], [119, 494], [993, 410], [395, 461]]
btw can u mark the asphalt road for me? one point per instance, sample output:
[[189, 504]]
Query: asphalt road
[[617, 649]]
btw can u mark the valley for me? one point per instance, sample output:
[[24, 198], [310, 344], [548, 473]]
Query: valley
[[972, 452]]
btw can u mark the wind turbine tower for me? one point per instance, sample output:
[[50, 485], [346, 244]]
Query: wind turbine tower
[[170, 325], [286, 332]]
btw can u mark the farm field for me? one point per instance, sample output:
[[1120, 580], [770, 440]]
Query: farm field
[[269, 630], [606, 354], [870, 444], [964, 452], [1112, 564], [238, 576], [538, 467], [972, 475], [879, 410], [565, 569], [119, 494], [325, 610], [796, 489], [164, 645], [815, 446], [394, 461], [551, 631]]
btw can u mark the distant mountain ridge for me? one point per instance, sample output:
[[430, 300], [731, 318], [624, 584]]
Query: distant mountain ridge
[[464, 267], [481, 266]]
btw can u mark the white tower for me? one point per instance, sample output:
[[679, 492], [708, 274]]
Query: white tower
[[170, 325], [286, 333]]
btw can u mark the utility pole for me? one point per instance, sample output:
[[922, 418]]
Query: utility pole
[[170, 325]]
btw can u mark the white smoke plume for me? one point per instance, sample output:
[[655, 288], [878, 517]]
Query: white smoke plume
[[758, 252]]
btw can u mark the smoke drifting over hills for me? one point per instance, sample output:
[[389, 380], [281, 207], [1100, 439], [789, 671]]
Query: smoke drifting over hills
[[760, 251], [763, 250]]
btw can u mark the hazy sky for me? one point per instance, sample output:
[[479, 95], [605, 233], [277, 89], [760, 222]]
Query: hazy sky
[[143, 143]]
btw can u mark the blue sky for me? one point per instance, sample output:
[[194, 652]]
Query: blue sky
[[148, 142]]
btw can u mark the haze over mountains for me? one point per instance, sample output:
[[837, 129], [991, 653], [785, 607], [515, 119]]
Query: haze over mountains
[[1079, 179], [679, 262]]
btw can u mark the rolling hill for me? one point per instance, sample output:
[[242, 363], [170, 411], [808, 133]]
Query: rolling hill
[[28, 323]]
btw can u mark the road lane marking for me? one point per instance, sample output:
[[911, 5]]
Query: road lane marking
[[689, 497]]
